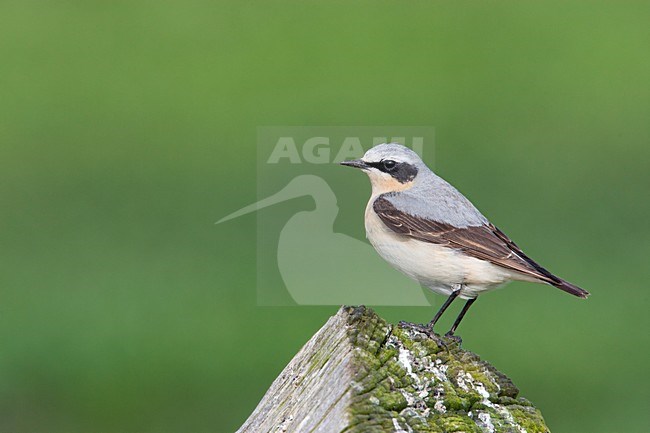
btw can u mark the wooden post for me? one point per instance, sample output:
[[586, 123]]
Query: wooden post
[[359, 374]]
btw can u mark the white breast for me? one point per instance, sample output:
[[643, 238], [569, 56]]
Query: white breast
[[434, 266]]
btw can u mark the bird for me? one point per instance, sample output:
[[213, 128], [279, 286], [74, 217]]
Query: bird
[[428, 230]]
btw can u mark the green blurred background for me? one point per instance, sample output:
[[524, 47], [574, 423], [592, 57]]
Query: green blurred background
[[128, 128]]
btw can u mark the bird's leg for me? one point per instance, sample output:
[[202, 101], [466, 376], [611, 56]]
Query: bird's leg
[[446, 305], [460, 317]]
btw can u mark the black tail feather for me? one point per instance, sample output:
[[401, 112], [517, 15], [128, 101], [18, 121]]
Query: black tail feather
[[569, 288]]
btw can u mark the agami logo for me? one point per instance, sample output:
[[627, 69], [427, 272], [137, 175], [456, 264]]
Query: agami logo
[[319, 150]]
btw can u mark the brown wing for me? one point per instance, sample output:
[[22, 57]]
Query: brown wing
[[485, 242]]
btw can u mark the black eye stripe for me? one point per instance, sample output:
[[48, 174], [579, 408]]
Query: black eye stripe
[[381, 165], [401, 171], [378, 165]]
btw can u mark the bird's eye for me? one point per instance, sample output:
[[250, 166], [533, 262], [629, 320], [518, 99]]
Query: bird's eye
[[389, 164]]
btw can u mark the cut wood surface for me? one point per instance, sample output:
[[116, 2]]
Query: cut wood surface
[[359, 374]]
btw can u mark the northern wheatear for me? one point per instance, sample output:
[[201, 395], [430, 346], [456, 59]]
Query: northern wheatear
[[428, 230]]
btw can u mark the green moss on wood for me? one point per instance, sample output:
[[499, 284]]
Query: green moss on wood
[[406, 381], [455, 422]]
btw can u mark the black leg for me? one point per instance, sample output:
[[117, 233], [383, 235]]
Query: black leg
[[460, 316], [442, 309]]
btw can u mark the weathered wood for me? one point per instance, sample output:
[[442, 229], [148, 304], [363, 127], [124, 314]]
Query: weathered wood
[[359, 374]]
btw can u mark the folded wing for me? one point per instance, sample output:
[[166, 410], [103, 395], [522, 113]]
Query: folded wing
[[485, 242]]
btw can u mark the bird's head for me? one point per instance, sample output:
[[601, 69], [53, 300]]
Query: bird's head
[[391, 167]]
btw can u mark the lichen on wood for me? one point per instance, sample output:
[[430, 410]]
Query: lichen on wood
[[359, 374]]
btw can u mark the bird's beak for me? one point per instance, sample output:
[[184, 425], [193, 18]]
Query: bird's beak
[[356, 163]]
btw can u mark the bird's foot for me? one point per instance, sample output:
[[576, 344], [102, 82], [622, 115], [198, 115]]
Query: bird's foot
[[455, 338], [426, 330]]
